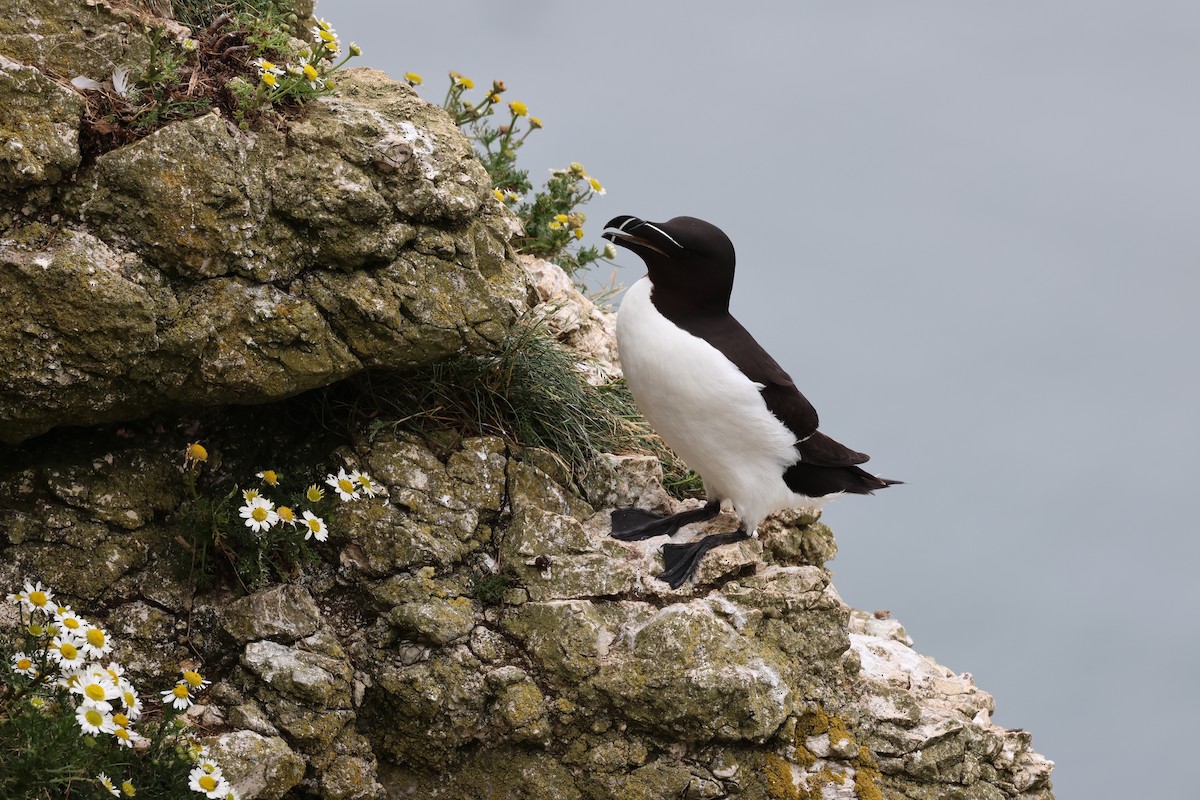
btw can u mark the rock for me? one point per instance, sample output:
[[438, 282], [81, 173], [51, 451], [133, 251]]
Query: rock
[[40, 120], [282, 614], [259, 767], [575, 320], [231, 298]]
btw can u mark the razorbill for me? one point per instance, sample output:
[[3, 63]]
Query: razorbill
[[715, 395]]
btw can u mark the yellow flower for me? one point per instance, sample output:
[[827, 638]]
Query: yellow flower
[[314, 493], [270, 477], [268, 78], [561, 218], [555, 225], [462, 80], [534, 122], [355, 50], [413, 79], [595, 184], [127, 788], [499, 195], [577, 170], [518, 108], [286, 515], [579, 233]]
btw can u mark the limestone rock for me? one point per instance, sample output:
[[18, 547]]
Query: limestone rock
[[282, 614], [259, 767], [267, 265], [39, 121]]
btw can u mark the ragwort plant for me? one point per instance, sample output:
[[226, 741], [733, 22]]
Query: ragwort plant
[[551, 219], [72, 724], [261, 534]]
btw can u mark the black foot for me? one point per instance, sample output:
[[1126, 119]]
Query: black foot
[[634, 524], [680, 560]]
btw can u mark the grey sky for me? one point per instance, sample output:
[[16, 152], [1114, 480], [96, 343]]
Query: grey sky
[[968, 230]]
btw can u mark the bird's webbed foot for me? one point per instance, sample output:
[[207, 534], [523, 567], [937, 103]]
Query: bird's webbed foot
[[634, 524], [681, 560]]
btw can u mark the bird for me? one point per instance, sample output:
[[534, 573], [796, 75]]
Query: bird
[[715, 396]]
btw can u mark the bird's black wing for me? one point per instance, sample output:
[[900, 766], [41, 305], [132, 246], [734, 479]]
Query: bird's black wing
[[782, 397]]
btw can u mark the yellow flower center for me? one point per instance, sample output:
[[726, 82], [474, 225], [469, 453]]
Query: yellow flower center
[[121, 720], [127, 788], [266, 65], [38, 598], [270, 475], [207, 782], [310, 73], [193, 678], [269, 78], [196, 452], [181, 691], [314, 525], [70, 623], [346, 486], [259, 513], [93, 717], [68, 651], [94, 691], [314, 494], [24, 663], [96, 637], [36, 630], [286, 514], [121, 733]]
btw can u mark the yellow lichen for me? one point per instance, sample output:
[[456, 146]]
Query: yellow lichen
[[780, 784], [866, 776]]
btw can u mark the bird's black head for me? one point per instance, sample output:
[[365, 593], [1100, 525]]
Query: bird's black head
[[689, 260]]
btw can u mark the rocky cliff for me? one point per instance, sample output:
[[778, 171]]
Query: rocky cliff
[[475, 633]]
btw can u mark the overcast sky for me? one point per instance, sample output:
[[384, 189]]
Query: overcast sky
[[968, 230]]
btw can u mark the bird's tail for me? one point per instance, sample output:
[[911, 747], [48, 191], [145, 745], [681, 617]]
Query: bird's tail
[[814, 480]]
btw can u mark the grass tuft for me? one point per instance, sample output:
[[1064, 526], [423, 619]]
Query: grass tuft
[[531, 392]]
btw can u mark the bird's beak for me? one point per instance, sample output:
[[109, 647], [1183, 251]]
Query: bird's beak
[[638, 235]]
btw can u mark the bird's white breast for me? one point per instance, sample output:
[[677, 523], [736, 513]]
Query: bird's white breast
[[706, 409]]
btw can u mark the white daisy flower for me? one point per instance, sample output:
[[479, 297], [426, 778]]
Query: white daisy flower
[[180, 696], [210, 784], [23, 665], [69, 621], [194, 680], [343, 484], [93, 720], [369, 487], [35, 596], [96, 642], [95, 684], [259, 514], [124, 736], [107, 783], [67, 650], [315, 527]]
